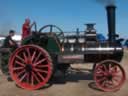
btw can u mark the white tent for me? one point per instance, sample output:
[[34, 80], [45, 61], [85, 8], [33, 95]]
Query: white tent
[[1, 38], [17, 37]]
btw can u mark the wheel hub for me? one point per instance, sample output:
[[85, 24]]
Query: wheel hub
[[109, 77], [28, 68]]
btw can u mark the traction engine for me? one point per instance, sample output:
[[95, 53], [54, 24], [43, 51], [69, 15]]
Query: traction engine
[[43, 53]]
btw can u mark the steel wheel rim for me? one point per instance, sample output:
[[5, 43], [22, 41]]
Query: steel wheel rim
[[107, 80], [30, 67]]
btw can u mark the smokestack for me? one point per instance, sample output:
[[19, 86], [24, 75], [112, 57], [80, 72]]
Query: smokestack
[[111, 22]]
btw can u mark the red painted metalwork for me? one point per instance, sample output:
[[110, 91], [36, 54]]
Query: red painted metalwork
[[30, 67], [109, 75]]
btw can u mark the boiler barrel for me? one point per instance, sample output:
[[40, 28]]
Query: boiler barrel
[[102, 53], [89, 52]]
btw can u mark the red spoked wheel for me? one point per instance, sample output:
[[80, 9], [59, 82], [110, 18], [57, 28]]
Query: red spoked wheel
[[109, 75], [30, 67]]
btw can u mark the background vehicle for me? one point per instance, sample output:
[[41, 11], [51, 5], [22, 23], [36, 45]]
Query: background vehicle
[[126, 43]]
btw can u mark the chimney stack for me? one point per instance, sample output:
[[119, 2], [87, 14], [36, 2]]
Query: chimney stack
[[111, 22]]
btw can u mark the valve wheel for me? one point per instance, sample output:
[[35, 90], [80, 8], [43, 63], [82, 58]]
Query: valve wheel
[[109, 75], [30, 67]]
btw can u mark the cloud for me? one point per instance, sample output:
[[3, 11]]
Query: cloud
[[106, 2]]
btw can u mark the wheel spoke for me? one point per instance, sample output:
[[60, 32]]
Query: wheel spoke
[[42, 66], [22, 78], [33, 56], [21, 72], [103, 84], [117, 76], [115, 83], [25, 57], [41, 76], [34, 75], [110, 83], [20, 58], [105, 68], [102, 79], [28, 51], [32, 80], [116, 79], [19, 63], [115, 69], [39, 70], [37, 57], [101, 72], [100, 68], [110, 67], [17, 68], [42, 60], [27, 77]]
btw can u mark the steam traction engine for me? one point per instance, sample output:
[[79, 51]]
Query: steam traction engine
[[43, 53]]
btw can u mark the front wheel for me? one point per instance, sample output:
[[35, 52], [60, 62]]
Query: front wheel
[[109, 75]]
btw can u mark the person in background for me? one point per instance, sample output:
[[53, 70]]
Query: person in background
[[9, 45], [26, 28], [9, 42]]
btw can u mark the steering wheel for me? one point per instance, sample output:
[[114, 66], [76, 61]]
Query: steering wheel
[[59, 33]]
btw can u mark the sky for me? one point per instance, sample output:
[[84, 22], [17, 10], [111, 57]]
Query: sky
[[66, 14]]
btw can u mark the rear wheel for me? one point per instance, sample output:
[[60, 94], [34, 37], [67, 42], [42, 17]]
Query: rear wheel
[[30, 67]]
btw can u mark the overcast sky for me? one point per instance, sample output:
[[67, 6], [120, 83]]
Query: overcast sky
[[67, 14]]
